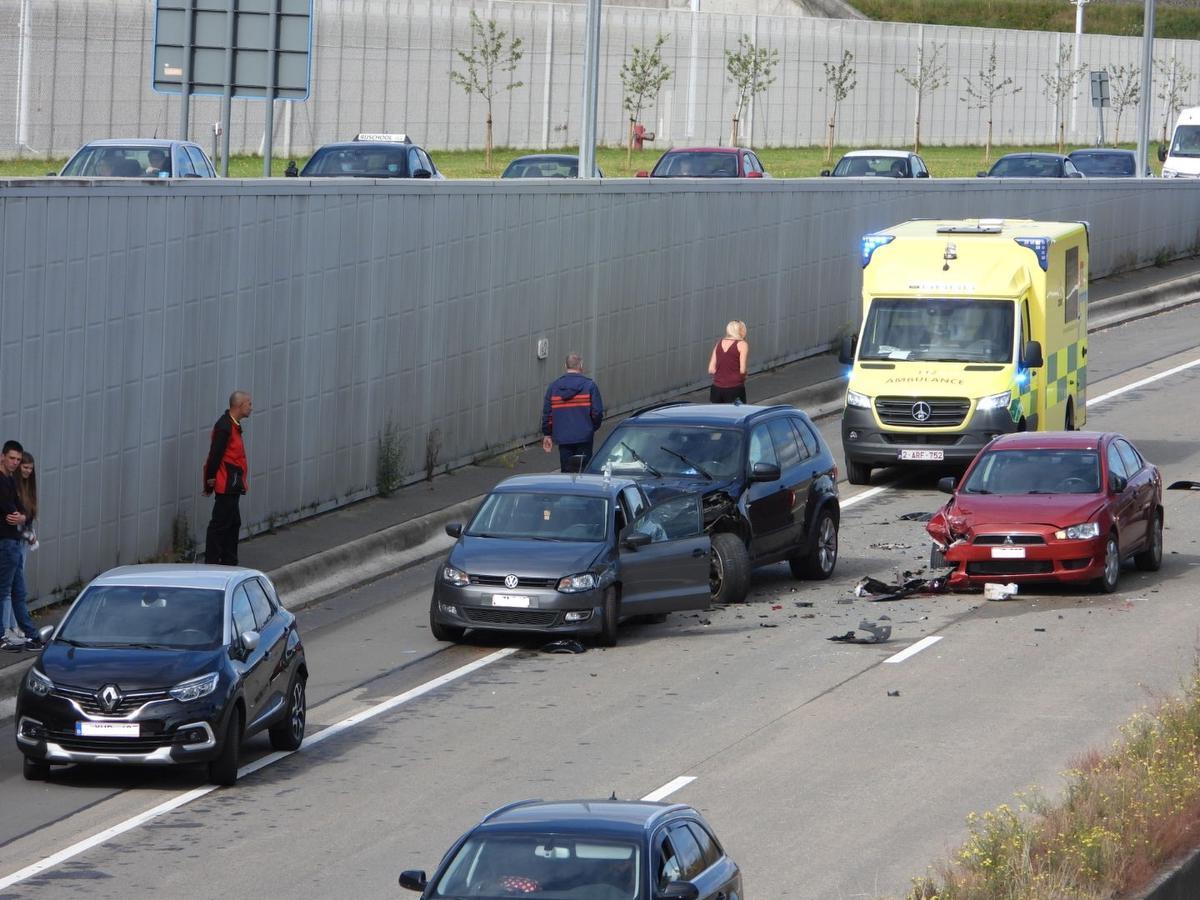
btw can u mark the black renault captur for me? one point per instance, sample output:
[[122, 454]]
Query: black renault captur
[[165, 665]]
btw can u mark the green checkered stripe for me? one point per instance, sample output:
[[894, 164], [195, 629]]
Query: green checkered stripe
[[1061, 365]]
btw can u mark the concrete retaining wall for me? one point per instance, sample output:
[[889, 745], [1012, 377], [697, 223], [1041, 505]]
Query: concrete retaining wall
[[130, 311]]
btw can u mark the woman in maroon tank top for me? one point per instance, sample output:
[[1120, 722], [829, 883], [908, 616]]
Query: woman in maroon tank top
[[727, 365]]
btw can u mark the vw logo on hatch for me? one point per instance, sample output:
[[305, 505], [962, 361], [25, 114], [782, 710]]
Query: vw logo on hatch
[[109, 697], [921, 411], [510, 581]]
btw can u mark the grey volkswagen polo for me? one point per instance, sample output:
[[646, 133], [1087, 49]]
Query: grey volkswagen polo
[[570, 554]]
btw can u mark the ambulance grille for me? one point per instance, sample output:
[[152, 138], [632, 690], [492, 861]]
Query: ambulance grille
[[919, 412]]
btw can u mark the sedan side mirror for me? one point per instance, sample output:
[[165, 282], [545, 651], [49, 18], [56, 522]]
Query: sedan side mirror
[[413, 879], [454, 529], [754, 174], [922, 174], [635, 539], [679, 890], [981, 174], [764, 471], [1075, 175], [642, 174], [1117, 483], [825, 173], [946, 485], [51, 174], [45, 633], [249, 641], [846, 354], [1031, 357], [422, 173], [1162, 152]]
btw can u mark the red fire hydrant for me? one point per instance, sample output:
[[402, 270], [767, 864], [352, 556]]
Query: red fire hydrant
[[641, 135]]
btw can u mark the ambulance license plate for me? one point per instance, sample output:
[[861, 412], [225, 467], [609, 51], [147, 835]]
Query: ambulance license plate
[[923, 455], [107, 729], [513, 601], [1008, 553]]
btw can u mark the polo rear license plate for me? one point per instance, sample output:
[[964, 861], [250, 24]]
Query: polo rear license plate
[[107, 729], [923, 455], [513, 601]]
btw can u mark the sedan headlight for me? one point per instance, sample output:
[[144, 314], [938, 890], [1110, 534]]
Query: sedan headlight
[[854, 398], [995, 401], [456, 577], [194, 688], [1079, 532], [38, 683], [573, 584]]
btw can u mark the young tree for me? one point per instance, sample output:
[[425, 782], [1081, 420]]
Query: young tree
[[1058, 88], [929, 75], [1175, 79], [643, 76], [750, 70], [984, 94], [488, 55], [1124, 89], [840, 80]]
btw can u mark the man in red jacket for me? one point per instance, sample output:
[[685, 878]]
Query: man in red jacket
[[226, 475]]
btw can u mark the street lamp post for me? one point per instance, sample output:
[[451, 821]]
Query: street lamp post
[[1079, 5], [1147, 86], [591, 78]]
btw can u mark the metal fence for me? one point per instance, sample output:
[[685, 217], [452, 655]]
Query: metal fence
[[131, 311], [74, 70]]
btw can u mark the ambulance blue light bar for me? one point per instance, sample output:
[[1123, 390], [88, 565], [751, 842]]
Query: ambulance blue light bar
[[871, 243], [1040, 246]]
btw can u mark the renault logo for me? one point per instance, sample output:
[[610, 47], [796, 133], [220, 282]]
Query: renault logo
[[921, 411], [511, 581], [109, 697]]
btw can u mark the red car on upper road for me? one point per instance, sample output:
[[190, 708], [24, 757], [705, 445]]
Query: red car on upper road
[[1059, 506], [707, 162]]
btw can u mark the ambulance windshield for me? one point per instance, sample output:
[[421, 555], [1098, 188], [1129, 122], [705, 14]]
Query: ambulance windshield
[[974, 331], [1186, 141]]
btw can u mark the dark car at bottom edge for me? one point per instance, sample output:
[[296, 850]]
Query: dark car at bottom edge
[[165, 665], [585, 850]]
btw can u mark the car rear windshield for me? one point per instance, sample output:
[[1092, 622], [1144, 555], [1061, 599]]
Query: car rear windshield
[[370, 161], [120, 162], [974, 331], [697, 165], [564, 167], [1104, 165], [554, 866], [541, 516], [169, 617], [1035, 472], [866, 166], [1026, 167], [689, 450]]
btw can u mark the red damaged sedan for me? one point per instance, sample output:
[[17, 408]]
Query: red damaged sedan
[[1060, 506]]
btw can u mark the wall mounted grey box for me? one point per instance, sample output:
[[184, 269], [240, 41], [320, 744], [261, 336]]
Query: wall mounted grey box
[[252, 45]]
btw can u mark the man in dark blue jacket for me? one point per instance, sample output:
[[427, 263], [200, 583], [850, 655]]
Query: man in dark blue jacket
[[571, 414]]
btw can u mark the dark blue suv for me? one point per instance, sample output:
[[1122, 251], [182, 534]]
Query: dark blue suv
[[585, 850], [767, 478]]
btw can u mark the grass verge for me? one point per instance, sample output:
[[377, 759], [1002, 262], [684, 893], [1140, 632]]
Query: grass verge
[[781, 162], [1123, 817]]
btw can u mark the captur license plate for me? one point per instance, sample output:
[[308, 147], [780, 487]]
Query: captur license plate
[[923, 455], [514, 601], [107, 729], [1008, 553]]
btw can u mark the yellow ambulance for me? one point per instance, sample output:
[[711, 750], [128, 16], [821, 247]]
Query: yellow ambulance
[[971, 329]]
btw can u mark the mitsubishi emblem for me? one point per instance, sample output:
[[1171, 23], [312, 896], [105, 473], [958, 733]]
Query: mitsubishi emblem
[[109, 697], [921, 411], [1008, 539], [510, 581]]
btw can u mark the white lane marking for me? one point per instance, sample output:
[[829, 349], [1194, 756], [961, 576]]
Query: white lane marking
[[185, 798], [914, 649], [1150, 379], [865, 495], [669, 788]]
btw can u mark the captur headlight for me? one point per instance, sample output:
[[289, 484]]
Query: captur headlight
[[854, 398], [1079, 532], [194, 688], [573, 584], [38, 683], [456, 577], [995, 401]]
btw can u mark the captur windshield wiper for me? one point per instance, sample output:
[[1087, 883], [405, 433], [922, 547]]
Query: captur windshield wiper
[[649, 468], [699, 468], [150, 646]]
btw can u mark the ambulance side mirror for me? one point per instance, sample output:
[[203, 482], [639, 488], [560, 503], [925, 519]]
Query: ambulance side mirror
[[1031, 357], [846, 353], [1162, 152]]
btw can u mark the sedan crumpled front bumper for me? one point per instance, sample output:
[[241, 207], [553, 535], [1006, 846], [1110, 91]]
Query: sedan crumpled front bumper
[[549, 610], [1035, 555]]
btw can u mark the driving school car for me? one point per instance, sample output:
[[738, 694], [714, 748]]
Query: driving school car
[[573, 555]]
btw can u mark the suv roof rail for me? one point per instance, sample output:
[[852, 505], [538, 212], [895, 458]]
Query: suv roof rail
[[507, 807], [768, 409], [664, 812], [653, 406]]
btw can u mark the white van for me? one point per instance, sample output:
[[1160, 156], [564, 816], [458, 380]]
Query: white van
[[1182, 158]]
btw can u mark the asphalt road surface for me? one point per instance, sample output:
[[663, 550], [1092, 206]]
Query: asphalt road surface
[[828, 770]]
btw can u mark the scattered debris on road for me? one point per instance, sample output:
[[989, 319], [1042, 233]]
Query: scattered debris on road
[[868, 632], [880, 591], [994, 591], [564, 646], [893, 693], [890, 545], [916, 517], [1184, 486]]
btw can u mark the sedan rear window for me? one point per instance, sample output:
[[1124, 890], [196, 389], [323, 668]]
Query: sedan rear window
[[1035, 472], [168, 617], [866, 166], [120, 162], [1104, 165], [697, 165], [369, 161], [541, 516]]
